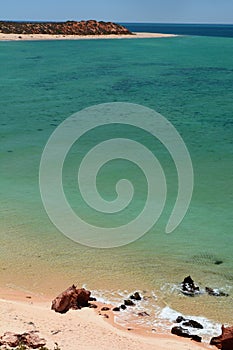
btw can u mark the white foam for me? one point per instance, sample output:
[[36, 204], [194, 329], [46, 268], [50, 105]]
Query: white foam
[[210, 328]]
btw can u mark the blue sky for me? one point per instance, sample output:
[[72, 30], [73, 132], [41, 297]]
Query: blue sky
[[165, 11]]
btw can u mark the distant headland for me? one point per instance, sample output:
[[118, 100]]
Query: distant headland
[[90, 27]]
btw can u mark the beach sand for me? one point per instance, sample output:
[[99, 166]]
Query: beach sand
[[78, 330], [26, 37]]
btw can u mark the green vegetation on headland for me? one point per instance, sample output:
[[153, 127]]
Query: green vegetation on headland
[[90, 27]]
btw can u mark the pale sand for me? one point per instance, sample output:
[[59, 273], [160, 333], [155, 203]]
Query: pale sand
[[26, 37], [78, 330]]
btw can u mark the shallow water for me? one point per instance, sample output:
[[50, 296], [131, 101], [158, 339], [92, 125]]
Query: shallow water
[[189, 80]]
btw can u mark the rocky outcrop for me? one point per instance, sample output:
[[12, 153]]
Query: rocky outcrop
[[136, 296], [187, 333], [215, 292], [90, 27], [182, 332], [189, 323], [188, 287], [225, 340], [116, 309], [71, 298], [28, 339], [129, 302]]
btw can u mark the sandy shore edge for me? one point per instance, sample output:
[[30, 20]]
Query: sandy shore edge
[[29, 37], [83, 329]]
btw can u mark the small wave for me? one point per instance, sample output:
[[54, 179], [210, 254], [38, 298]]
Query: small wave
[[210, 328], [161, 318]]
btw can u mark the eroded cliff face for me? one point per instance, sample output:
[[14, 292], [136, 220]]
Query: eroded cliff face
[[90, 27]]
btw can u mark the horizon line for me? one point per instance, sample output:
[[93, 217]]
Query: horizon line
[[120, 22]]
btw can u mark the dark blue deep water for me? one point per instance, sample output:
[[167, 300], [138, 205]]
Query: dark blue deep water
[[220, 30]]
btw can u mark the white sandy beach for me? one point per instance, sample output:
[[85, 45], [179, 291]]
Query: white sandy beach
[[78, 330], [28, 37]]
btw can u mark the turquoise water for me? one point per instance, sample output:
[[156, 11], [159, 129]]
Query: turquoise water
[[189, 80]]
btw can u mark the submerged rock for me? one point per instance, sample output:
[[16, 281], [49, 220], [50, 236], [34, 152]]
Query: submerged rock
[[143, 313], [215, 292], [225, 340], [218, 262]]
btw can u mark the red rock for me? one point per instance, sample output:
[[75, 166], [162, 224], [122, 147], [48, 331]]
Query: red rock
[[90, 27], [225, 340], [10, 339], [29, 339], [71, 298], [32, 340]]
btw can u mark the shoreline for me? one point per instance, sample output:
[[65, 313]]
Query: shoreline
[[39, 37], [21, 312]]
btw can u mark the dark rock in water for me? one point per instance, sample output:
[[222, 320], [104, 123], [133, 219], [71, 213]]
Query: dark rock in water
[[123, 307], [135, 296], [105, 308], [71, 298], [129, 302], [215, 292], [218, 262], [182, 332], [193, 324], [225, 340], [116, 309], [92, 299], [196, 338], [143, 313], [180, 319], [189, 323], [188, 287]]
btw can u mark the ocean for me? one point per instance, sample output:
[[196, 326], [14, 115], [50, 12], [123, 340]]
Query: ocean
[[217, 30], [189, 80]]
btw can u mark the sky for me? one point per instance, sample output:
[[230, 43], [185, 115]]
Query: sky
[[155, 11]]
